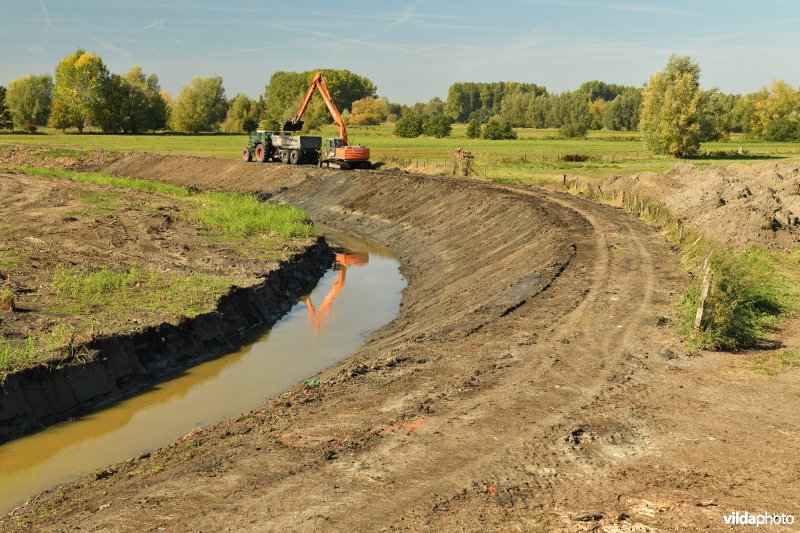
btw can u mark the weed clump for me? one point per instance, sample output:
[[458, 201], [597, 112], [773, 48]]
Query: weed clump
[[748, 295]]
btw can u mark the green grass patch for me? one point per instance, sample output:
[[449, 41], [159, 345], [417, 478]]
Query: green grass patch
[[16, 355], [70, 153], [748, 296], [236, 215], [772, 364], [9, 257], [111, 291]]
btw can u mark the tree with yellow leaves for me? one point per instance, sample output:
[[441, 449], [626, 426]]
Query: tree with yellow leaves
[[677, 115], [776, 115], [78, 95]]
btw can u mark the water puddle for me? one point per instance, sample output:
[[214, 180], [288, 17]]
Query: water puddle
[[361, 294]]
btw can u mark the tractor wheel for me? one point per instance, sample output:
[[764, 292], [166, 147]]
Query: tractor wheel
[[261, 153], [294, 157], [247, 156], [284, 157]]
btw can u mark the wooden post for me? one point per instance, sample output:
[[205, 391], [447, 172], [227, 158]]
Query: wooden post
[[698, 318]]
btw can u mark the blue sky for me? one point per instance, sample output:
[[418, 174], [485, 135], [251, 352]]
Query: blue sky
[[412, 50]]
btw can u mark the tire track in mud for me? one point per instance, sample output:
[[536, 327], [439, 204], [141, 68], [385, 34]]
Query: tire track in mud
[[529, 483]]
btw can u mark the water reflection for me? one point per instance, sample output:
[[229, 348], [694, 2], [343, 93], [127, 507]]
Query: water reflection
[[220, 388], [318, 316]]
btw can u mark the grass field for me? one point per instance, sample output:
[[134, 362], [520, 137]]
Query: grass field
[[536, 156]]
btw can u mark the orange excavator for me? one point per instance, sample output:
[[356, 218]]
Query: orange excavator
[[319, 315], [334, 150]]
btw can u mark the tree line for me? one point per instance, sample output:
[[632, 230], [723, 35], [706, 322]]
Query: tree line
[[85, 94]]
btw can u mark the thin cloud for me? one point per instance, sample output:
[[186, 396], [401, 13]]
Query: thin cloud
[[123, 52], [126, 36], [612, 6], [47, 22], [244, 51]]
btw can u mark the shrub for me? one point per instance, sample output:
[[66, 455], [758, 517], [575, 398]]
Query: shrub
[[498, 130], [746, 298], [409, 126], [573, 130], [474, 129], [438, 126]]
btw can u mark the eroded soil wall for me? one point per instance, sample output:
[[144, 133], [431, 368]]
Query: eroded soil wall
[[124, 364]]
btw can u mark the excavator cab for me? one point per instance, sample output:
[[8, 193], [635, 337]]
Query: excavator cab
[[330, 145]]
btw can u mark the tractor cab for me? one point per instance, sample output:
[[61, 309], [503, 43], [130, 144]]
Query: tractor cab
[[260, 136]]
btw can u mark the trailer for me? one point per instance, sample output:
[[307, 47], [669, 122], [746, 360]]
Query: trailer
[[296, 149]]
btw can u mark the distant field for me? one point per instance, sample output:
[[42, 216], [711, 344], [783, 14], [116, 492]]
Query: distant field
[[538, 155]]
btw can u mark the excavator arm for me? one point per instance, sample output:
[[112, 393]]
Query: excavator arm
[[318, 83]]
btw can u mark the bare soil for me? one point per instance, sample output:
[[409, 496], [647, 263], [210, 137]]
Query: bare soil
[[531, 382], [47, 222], [741, 205]]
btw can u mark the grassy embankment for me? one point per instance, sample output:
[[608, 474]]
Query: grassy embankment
[[94, 298]]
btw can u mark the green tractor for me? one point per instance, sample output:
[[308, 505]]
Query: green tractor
[[260, 147]]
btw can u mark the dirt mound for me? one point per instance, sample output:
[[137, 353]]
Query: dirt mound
[[741, 205]]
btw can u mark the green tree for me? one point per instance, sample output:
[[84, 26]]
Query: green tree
[[498, 129], [81, 84], [474, 129], [468, 100], [368, 111], [776, 114], [742, 115], [6, 122], [623, 112], [131, 103], [29, 100], [200, 106], [676, 113], [596, 89], [112, 109], [409, 126], [285, 92], [242, 115], [574, 115], [146, 109], [438, 126]]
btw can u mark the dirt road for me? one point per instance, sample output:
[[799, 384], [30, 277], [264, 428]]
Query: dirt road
[[531, 381]]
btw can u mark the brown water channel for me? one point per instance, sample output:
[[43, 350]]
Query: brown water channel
[[361, 294]]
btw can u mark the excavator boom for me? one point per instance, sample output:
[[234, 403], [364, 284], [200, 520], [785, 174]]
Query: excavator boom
[[318, 83]]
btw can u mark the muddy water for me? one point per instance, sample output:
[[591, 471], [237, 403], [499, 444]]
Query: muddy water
[[361, 294]]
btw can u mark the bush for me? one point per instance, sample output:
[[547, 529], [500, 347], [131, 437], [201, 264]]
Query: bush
[[409, 126], [438, 126], [573, 130], [498, 130], [783, 129], [474, 129], [746, 298]]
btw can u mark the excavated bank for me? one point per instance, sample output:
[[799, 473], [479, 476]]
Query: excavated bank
[[528, 383], [124, 364]]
